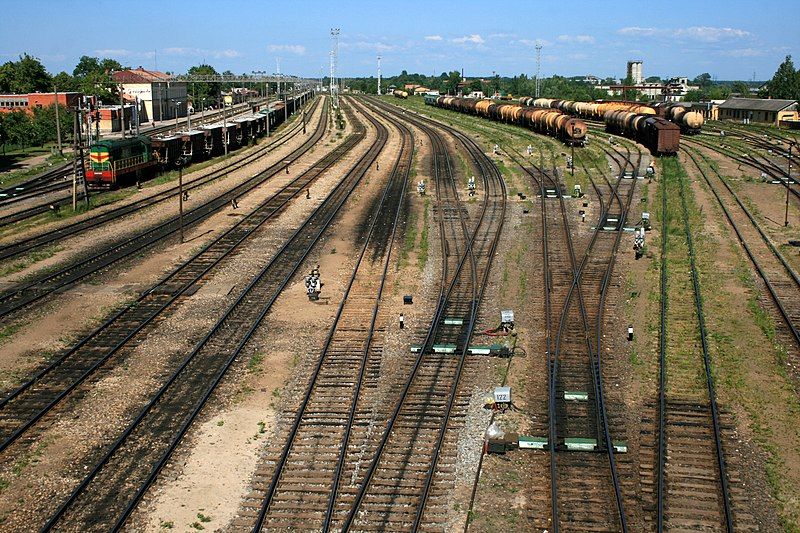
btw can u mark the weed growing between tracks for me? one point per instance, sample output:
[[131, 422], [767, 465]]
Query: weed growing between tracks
[[749, 365]]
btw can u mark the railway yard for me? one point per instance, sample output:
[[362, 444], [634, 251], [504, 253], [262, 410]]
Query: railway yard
[[311, 331]]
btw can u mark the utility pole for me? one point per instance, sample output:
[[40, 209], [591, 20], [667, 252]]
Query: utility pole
[[96, 116], [379, 75], [75, 162], [225, 127], [58, 122], [538, 66], [268, 110], [80, 158], [122, 114], [788, 185], [180, 199]]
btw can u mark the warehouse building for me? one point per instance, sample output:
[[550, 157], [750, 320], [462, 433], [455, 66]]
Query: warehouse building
[[758, 110], [159, 95], [28, 102]]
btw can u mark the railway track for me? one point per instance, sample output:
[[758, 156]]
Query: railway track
[[38, 287], [48, 182], [691, 477], [585, 491], [115, 483], [307, 469], [756, 162], [49, 237], [590, 497], [779, 278], [407, 482], [22, 408]]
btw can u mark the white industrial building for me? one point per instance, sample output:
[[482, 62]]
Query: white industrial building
[[159, 95]]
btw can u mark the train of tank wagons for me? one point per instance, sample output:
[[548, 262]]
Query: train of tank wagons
[[656, 127], [119, 162]]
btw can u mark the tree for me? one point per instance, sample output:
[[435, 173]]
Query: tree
[[93, 76], [65, 83], [17, 125], [476, 85], [741, 87], [695, 95], [786, 81], [200, 90], [453, 79], [27, 75], [703, 80]]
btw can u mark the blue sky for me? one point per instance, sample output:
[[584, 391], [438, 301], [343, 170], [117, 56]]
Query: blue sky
[[730, 40]]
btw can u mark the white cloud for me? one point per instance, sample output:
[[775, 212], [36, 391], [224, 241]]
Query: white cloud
[[580, 39], [118, 52], [533, 42], [708, 34], [433, 37], [474, 39], [296, 49], [199, 52], [369, 45], [123, 53], [743, 52]]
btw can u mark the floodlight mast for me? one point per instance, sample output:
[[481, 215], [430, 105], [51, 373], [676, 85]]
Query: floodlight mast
[[334, 66], [379, 75]]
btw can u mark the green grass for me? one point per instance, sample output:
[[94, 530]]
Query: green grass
[[422, 255]]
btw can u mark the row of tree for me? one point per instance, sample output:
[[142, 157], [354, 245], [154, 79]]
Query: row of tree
[[784, 84], [22, 129]]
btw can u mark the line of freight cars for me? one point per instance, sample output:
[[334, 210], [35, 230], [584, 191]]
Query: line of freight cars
[[680, 113], [119, 162], [639, 122], [546, 121]]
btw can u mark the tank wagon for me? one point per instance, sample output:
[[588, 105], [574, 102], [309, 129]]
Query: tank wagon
[[551, 122], [659, 135], [400, 94], [689, 121], [119, 162], [633, 120]]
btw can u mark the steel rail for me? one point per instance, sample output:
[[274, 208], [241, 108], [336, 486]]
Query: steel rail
[[36, 289], [328, 210], [240, 232], [41, 239], [324, 352], [698, 301]]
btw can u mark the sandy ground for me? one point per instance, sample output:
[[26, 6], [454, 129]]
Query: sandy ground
[[57, 322], [244, 419], [251, 402], [108, 403]]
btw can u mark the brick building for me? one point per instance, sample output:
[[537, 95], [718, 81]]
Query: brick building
[[28, 102]]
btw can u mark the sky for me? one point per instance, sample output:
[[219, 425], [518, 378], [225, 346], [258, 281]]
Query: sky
[[729, 39]]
